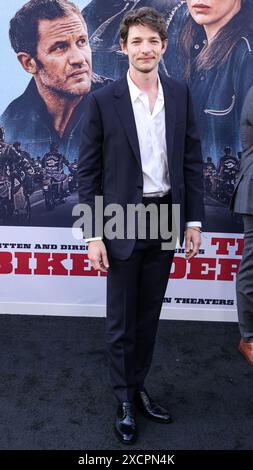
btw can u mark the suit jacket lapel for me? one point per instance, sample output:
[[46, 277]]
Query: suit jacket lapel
[[124, 109], [170, 114]]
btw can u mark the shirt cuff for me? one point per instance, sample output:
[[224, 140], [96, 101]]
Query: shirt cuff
[[87, 240], [193, 224]]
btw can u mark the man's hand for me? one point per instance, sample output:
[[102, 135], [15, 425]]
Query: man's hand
[[98, 256], [192, 242]]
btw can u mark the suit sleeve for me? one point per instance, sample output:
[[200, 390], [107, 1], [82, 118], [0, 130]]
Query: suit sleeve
[[193, 168], [90, 166], [243, 78], [247, 110], [246, 122]]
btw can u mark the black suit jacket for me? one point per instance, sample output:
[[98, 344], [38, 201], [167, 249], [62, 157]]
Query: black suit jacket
[[110, 162]]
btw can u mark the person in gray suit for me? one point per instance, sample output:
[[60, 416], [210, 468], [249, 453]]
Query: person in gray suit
[[242, 203]]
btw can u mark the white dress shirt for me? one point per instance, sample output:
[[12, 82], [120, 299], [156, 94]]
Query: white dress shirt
[[152, 139]]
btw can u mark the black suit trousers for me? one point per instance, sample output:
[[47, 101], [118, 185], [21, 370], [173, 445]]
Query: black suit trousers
[[135, 292]]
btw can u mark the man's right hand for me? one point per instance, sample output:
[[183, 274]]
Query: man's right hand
[[98, 256]]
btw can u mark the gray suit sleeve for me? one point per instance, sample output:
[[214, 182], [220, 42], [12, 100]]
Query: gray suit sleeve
[[246, 123]]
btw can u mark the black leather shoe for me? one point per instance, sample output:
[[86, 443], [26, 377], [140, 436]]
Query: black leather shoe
[[151, 409], [125, 425]]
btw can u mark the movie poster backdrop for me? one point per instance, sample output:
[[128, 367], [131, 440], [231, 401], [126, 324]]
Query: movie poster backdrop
[[43, 267]]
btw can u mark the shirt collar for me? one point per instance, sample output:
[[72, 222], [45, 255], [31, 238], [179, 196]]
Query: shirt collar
[[135, 92]]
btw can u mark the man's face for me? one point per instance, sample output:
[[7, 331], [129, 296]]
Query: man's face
[[207, 12], [144, 48], [64, 56]]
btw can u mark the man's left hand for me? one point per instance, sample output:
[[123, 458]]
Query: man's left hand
[[192, 242]]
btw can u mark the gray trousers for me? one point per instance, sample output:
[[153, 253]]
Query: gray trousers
[[244, 283]]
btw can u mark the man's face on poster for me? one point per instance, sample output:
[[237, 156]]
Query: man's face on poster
[[63, 61]]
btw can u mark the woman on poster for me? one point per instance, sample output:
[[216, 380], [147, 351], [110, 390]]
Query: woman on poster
[[215, 51]]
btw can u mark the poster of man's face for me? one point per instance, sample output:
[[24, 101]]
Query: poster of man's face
[[42, 122]]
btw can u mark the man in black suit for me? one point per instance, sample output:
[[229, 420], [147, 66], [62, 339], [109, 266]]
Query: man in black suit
[[139, 145]]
